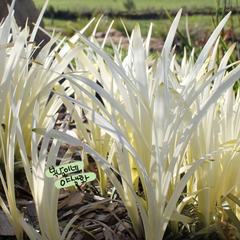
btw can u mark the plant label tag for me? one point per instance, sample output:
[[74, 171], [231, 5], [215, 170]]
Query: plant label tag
[[75, 179], [69, 180], [65, 169]]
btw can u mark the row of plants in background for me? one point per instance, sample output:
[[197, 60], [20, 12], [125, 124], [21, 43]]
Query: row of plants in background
[[132, 13], [167, 137]]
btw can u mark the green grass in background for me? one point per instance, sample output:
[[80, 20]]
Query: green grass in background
[[80, 5]]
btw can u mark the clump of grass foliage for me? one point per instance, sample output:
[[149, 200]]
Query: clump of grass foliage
[[160, 133]]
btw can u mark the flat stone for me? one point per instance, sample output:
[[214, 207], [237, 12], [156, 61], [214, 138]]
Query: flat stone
[[5, 226]]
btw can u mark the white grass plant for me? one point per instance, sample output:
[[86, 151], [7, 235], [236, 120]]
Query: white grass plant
[[216, 136], [148, 115], [152, 122], [25, 85], [27, 80], [219, 177]]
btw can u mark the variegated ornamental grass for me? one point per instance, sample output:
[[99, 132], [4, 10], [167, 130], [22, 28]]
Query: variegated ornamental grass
[[166, 127], [25, 88], [218, 179], [157, 121]]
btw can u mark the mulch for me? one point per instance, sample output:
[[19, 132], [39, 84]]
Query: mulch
[[102, 217]]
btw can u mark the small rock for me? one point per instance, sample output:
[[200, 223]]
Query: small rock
[[5, 226]]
